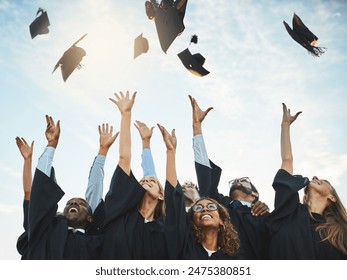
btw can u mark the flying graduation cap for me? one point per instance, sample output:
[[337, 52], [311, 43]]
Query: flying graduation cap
[[140, 45], [40, 25], [303, 36], [193, 62], [168, 17], [194, 39], [71, 60]]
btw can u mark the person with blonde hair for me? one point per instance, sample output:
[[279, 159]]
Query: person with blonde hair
[[313, 229], [134, 210]]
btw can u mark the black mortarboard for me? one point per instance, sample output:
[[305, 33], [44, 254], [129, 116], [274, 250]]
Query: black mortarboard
[[140, 45], [168, 17], [194, 39], [40, 24], [193, 62], [71, 60], [303, 36]]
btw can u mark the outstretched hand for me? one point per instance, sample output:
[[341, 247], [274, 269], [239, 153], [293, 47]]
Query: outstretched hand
[[169, 139], [198, 114], [106, 138], [52, 132], [25, 150], [124, 102], [145, 132], [287, 117]]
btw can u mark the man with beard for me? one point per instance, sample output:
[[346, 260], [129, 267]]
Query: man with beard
[[52, 235]]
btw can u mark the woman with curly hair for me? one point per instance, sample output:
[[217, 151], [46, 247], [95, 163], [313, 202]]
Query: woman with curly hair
[[214, 237], [314, 229], [205, 232]]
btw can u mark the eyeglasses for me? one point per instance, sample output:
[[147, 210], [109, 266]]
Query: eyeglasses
[[239, 180], [199, 207], [236, 184]]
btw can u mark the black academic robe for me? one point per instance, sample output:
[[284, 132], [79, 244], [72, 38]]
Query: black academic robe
[[292, 228], [126, 234], [253, 232], [48, 234], [22, 241], [182, 240]]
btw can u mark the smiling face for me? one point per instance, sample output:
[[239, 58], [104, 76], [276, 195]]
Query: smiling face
[[206, 215], [321, 187], [78, 213], [152, 187]]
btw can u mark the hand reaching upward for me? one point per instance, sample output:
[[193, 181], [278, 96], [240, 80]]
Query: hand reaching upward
[[52, 132]]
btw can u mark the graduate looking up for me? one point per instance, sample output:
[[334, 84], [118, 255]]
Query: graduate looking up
[[51, 235], [134, 209], [247, 214], [205, 232], [313, 229], [190, 190], [148, 167]]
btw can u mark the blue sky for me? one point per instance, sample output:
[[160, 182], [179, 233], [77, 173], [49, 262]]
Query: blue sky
[[254, 66]]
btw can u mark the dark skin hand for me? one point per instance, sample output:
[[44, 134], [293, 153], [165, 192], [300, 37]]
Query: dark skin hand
[[259, 208]]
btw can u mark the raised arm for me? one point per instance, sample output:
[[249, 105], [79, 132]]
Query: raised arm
[[52, 134], [26, 152], [286, 147], [197, 116], [171, 144], [106, 138], [147, 163], [124, 104], [94, 192], [200, 152]]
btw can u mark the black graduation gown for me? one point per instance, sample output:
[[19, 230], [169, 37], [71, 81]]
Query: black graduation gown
[[253, 232], [22, 241], [48, 234], [182, 240], [292, 227], [126, 235]]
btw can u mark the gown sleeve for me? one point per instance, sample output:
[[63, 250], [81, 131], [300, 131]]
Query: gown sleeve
[[176, 221], [44, 198], [287, 198], [124, 194]]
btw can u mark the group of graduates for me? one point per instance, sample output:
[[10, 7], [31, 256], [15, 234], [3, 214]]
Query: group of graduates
[[141, 219]]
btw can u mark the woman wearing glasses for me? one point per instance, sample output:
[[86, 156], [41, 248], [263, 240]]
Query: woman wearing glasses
[[212, 236], [314, 229], [205, 232], [247, 213]]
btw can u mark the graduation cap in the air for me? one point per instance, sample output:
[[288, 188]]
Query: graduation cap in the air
[[140, 45], [194, 39], [168, 17], [71, 60], [303, 36], [193, 62], [40, 24]]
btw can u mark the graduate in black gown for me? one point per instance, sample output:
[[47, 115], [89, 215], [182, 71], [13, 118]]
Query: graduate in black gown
[[205, 232], [134, 227], [52, 235], [247, 213], [26, 152], [313, 229]]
